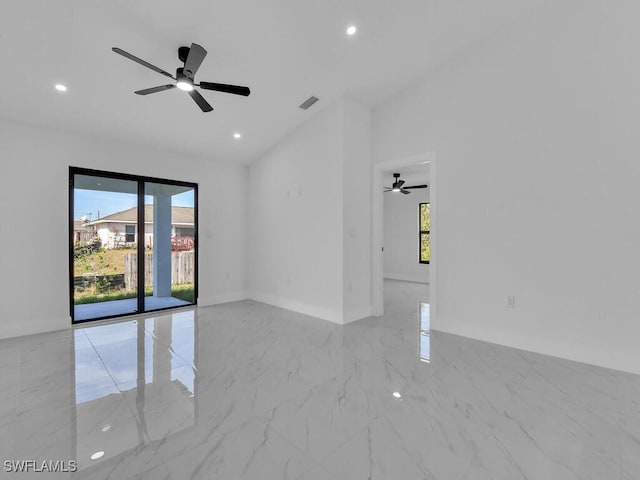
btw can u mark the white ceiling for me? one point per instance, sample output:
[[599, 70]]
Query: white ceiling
[[284, 50]]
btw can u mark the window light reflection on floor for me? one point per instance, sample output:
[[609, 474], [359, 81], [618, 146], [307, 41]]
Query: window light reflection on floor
[[425, 330]]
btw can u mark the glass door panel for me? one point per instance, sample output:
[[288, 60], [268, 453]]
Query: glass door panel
[[170, 246], [104, 261]]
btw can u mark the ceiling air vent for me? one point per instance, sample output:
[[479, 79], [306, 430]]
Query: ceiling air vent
[[308, 102]]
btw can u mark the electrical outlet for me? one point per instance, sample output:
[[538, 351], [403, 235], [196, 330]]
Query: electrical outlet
[[511, 301]]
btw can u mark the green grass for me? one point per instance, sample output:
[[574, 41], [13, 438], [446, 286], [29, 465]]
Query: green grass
[[105, 261], [183, 292]]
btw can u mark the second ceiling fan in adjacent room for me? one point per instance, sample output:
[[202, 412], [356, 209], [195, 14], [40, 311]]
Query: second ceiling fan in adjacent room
[[398, 186]]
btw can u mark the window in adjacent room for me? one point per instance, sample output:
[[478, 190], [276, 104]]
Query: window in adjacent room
[[425, 227]]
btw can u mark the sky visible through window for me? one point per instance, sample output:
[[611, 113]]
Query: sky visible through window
[[94, 204]]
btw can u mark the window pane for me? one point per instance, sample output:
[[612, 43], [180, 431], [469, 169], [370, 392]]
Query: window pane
[[425, 248], [130, 233], [102, 275], [425, 217], [170, 241]]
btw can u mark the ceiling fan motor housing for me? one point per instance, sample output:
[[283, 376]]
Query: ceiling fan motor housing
[[183, 53], [396, 186], [183, 76]]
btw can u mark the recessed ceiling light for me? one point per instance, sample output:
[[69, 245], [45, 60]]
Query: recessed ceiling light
[[106, 428], [97, 455], [237, 135], [61, 88], [351, 30], [397, 394]]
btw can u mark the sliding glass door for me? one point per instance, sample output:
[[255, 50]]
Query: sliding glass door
[[169, 261], [133, 244]]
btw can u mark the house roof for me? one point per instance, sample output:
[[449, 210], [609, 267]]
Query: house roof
[[79, 225], [179, 216]]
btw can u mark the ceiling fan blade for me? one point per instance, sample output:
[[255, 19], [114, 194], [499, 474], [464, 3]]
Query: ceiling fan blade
[[400, 183], [406, 192], [221, 87], [119, 51], [199, 99], [418, 186], [161, 88], [194, 59]]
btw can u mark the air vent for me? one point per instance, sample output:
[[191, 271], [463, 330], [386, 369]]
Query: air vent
[[308, 102]]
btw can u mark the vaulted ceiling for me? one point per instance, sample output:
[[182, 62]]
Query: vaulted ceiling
[[284, 50]]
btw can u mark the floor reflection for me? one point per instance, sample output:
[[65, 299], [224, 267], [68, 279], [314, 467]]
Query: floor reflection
[[135, 382], [246, 390], [425, 332]]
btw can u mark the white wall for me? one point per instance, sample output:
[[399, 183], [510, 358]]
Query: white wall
[[356, 170], [295, 220], [536, 135], [401, 236], [310, 251], [34, 291]]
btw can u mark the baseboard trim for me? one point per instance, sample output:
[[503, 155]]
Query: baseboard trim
[[406, 278], [357, 315], [330, 315], [222, 298]]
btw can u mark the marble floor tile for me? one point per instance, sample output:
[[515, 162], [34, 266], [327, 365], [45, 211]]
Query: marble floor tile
[[552, 433], [251, 451], [630, 454], [324, 416], [138, 461], [629, 389], [249, 391], [381, 451]]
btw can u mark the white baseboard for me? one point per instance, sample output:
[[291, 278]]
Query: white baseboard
[[34, 327], [357, 315], [331, 315], [407, 278], [564, 348], [222, 298]]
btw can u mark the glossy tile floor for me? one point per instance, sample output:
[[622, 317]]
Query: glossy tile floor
[[122, 307], [248, 391]]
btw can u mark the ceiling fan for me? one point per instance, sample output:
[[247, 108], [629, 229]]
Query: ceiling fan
[[192, 58], [398, 186]]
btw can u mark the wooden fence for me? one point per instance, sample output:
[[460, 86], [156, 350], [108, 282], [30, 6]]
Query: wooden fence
[[182, 269]]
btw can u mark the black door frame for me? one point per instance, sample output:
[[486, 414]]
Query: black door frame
[[141, 180]]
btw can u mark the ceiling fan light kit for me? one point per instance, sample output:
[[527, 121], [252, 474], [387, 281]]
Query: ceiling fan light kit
[[183, 82], [398, 186], [192, 58]]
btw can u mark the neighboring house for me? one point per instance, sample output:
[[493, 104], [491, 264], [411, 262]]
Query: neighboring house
[[82, 232], [119, 229]]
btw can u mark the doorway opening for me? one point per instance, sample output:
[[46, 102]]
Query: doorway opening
[[133, 244], [403, 236]]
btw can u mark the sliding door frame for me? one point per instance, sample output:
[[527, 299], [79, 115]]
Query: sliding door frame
[[140, 226]]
